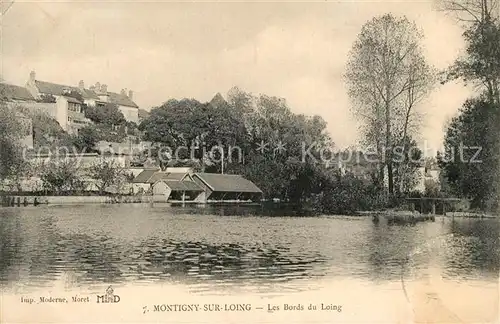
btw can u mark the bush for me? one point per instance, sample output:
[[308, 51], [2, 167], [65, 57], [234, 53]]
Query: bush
[[344, 196]]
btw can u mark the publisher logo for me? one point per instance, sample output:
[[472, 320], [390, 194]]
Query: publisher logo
[[109, 297]]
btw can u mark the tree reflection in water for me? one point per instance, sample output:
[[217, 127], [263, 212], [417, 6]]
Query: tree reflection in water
[[36, 258], [99, 259], [474, 250], [117, 244]]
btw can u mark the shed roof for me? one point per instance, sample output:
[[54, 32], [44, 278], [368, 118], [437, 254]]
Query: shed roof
[[182, 185], [144, 176], [166, 176], [152, 176], [228, 182]]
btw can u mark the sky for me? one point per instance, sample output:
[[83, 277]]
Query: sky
[[164, 50]]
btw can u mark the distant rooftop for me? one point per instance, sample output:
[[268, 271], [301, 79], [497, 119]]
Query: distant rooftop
[[60, 89], [14, 92], [218, 100], [93, 93]]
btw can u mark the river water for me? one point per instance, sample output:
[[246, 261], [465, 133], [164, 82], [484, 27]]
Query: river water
[[236, 251]]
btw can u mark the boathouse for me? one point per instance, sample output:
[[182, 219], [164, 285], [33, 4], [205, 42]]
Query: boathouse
[[146, 179], [182, 185], [227, 187], [168, 190]]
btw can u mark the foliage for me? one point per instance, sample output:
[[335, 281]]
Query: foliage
[[190, 129], [431, 188], [469, 163], [478, 124], [109, 114], [347, 195], [387, 77], [86, 139], [61, 175], [407, 160], [106, 174], [47, 98], [47, 133], [481, 64], [11, 158], [240, 126]]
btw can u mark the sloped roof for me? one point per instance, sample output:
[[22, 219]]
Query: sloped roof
[[122, 100], [218, 100], [73, 100], [182, 185], [143, 114], [13, 92], [58, 89], [166, 176], [152, 176], [144, 176], [228, 182]]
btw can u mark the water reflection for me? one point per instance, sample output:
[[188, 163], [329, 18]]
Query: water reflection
[[119, 244], [473, 249]]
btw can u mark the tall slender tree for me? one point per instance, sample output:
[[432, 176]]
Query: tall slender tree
[[387, 76]]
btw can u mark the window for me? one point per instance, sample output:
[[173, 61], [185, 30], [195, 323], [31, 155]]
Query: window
[[26, 128], [74, 107]]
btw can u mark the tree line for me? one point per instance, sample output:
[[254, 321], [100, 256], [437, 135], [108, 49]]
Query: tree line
[[387, 78], [471, 159]]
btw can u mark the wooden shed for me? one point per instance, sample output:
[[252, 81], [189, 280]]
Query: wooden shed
[[227, 187]]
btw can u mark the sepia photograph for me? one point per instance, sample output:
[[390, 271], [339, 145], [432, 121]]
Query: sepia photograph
[[250, 162]]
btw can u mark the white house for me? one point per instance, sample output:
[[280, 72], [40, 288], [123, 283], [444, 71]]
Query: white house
[[69, 101]]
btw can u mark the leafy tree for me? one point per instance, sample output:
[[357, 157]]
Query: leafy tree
[[270, 139], [387, 76], [344, 195], [10, 134], [109, 114], [86, 139], [478, 124], [190, 124], [46, 130], [61, 175], [469, 163], [106, 174], [481, 64]]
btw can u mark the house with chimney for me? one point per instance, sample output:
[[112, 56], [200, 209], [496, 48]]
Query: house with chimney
[[66, 103]]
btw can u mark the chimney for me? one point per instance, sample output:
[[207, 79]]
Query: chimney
[[32, 76], [104, 88], [81, 85], [123, 92], [97, 86], [131, 95]]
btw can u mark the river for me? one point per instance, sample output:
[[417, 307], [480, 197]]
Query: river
[[448, 267]]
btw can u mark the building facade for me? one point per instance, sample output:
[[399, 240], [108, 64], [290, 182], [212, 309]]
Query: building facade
[[68, 101]]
